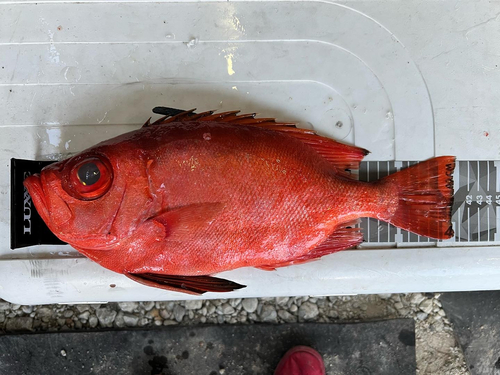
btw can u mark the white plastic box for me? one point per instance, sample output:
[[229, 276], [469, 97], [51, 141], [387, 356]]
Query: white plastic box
[[407, 80]]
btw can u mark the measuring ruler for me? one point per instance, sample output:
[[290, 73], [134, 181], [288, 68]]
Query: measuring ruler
[[475, 211]]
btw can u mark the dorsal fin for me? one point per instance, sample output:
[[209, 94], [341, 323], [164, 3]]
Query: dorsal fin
[[195, 116], [174, 116], [220, 116], [147, 123], [344, 158], [167, 111], [241, 117], [177, 115]]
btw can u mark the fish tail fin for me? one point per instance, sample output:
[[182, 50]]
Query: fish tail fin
[[425, 197]]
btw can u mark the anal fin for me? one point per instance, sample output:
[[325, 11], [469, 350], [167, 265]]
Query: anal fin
[[186, 284], [345, 236]]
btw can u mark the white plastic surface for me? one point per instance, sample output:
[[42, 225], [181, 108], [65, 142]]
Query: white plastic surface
[[75, 73], [349, 272]]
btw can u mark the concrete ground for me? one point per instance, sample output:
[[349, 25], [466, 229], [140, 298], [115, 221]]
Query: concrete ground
[[437, 351]]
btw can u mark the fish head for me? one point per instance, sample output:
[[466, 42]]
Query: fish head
[[82, 199]]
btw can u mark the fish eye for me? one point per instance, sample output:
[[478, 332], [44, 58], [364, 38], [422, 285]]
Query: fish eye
[[89, 174], [89, 179]]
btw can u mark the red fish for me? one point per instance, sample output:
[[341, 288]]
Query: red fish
[[191, 195]]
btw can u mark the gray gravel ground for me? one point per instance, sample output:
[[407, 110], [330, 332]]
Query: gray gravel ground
[[436, 348]]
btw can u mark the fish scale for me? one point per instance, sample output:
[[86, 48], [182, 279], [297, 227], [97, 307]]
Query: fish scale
[[179, 201]]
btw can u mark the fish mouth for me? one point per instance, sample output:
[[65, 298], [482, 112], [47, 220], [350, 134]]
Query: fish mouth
[[35, 188]]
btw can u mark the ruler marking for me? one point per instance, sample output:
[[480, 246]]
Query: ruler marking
[[388, 232], [488, 220], [398, 236], [468, 208], [468, 224], [480, 208], [497, 237], [478, 176], [468, 178], [487, 177], [497, 167], [496, 164], [478, 225], [368, 224]]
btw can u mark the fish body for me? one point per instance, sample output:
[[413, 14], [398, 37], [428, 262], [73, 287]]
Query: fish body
[[190, 196]]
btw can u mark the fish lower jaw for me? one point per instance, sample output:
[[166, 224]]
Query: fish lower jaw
[[35, 189], [92, 243]]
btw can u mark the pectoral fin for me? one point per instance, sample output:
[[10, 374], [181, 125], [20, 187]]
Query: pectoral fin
[[186, 284], [182, 223]]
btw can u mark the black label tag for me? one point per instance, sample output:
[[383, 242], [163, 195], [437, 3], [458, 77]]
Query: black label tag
[[26, 226]]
